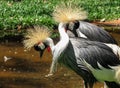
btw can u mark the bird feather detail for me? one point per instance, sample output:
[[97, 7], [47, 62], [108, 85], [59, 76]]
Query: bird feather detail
[[68, 12]]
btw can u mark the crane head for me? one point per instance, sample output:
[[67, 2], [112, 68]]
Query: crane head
[[35, 37], [73, 26], [40, 48]]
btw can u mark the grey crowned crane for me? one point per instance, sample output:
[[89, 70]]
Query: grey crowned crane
[[93, 61], [72, 15]]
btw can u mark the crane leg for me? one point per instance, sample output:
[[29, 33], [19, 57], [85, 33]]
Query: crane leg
[[85, 84], [91, 85], [53, 68], [105, 86]]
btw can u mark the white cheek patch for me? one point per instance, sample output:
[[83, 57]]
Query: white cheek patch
[[42, 46]]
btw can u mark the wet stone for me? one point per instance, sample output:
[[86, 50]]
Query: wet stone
[[15, 52], [10, 69], [25, 50], [14, 69], [10, 51], [4, 70]]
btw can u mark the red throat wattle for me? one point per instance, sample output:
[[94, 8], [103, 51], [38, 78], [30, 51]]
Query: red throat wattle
[[48, 49]]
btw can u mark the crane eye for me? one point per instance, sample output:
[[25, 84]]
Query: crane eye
[[41, 46]]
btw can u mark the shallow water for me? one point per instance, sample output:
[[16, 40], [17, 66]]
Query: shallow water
[[25, 69]]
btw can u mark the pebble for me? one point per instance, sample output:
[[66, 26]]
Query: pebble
[[6, 41], [2, 43], [25, 50], [66, 74], [18, 71], [14, 69], [15, 52], [2, 66], [10, 69], [4, 70], [10, 51], [102, 20]]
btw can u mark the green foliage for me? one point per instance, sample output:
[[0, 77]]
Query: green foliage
[[26, 13], [99, 9]]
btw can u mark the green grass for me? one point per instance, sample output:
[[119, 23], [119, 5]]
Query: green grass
[[99, 9], [26, 13]]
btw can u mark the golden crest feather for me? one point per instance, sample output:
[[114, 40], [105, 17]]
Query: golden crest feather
[[68, 13], [35, 35]]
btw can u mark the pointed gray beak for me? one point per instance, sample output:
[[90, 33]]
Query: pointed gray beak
[[41, 53]]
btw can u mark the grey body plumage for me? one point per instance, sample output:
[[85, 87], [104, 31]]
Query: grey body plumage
[[93, 53]]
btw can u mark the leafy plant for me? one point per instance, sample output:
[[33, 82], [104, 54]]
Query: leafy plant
[[20, 14]]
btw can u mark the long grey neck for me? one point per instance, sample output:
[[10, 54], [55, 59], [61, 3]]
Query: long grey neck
[[58, 48], [62, 44], [64, 38]]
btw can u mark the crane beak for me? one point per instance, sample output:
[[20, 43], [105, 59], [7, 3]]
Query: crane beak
[[41, 53]]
